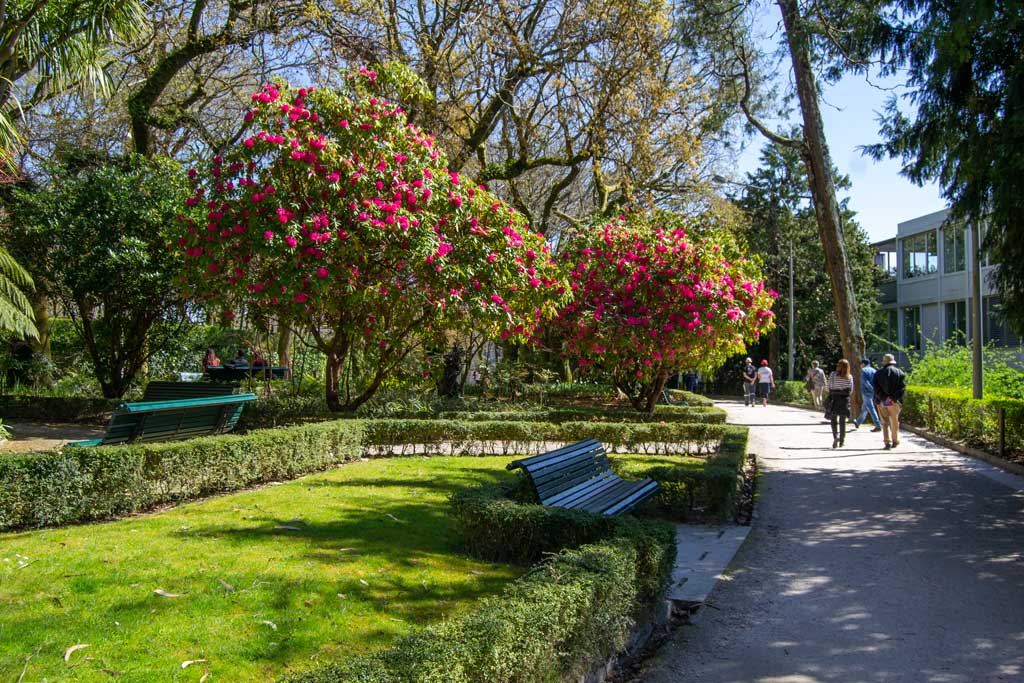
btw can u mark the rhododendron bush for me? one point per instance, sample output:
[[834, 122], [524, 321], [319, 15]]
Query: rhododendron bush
[[657, 294], [336, 214]]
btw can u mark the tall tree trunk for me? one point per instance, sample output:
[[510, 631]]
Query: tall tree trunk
[[331, 382], [654, 392], [284, 342], [41, 311], [823, 190]]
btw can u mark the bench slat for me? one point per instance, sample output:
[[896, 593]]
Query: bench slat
[[579, 477]]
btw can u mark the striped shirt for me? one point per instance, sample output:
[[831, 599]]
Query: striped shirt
[[838, 383]]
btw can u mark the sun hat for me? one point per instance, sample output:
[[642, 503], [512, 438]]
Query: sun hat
[[764, 362], [888, 359]]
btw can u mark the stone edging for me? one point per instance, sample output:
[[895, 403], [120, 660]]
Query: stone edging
[[946, 442]]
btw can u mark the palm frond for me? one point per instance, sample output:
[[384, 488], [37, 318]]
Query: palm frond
[[16, 313]]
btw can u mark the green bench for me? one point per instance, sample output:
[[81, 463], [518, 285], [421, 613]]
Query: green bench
[[172, 418]]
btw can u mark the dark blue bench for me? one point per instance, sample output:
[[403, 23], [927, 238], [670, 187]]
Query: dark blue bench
[[579, 477]]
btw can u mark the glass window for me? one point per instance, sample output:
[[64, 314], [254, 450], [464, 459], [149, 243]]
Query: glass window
[[954, 248], [956, 322], [912, 327], [920, 255], [996, 329]]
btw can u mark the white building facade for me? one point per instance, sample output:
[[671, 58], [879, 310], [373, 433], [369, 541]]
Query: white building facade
[[927, 298]]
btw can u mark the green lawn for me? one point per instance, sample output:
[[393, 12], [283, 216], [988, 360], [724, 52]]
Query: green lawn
[[373, 553]]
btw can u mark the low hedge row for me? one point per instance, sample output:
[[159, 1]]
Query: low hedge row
[[57, 408], [458, 437], [82, 484], [707, 491], [955, 414], [276, 411], [553, 624], [75, 485]]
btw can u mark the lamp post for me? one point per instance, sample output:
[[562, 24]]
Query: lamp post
[[977, 384]]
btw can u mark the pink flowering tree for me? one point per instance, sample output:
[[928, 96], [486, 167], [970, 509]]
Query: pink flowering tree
[[657, 294], [335, 214]]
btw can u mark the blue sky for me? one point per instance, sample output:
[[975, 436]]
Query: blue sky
[[880, 195]]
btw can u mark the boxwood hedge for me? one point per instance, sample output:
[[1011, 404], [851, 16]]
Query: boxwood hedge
[[575, 610]]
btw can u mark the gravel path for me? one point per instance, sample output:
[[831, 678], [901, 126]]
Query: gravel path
[[864, 565], [43, 436]]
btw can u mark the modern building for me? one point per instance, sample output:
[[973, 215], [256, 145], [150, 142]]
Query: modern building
[[927, 296]]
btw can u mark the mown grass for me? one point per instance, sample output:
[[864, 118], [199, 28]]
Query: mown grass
[[373, 554]]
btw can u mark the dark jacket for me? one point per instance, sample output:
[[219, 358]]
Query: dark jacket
[[889, 382]]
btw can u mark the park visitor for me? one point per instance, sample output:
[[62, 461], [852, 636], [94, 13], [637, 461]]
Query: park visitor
[[815, 383], [889, 384], [240, 360], [210, 360], [258, 360], [765, 382], [749, 382], [840, 386], [867, 396]]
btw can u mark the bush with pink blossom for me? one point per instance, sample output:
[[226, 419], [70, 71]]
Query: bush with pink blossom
[[659, 293], [335, 213]]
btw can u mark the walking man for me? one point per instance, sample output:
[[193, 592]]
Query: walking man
[[816, 384], [867, 397], [749, 377], [889, 384]]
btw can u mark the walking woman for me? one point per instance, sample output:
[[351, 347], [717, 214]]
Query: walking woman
[[840, 385]]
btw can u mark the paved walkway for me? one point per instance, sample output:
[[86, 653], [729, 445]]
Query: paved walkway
[[864, 565]]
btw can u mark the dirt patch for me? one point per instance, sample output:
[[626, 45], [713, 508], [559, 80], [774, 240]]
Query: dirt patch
[[43, 436]]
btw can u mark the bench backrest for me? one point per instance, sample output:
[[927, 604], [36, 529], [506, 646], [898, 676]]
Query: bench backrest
[[223, 373], [560, 470], [173, 391], [175, 419]]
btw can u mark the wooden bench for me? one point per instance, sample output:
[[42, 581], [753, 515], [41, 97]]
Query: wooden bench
[[579, 477], [146, 421]]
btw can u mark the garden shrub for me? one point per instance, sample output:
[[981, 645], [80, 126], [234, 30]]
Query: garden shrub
[[790, 391], [565, 615], [82, 484], [460, 437], [706, 490], [955, 414]]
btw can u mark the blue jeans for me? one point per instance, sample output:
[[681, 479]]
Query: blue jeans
[[869, 407]]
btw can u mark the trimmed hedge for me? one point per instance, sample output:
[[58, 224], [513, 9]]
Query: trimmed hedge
[[708, 491], [83, 484], [955, 414], [552, 625], [451, 437], [285, 410], [57, 408]]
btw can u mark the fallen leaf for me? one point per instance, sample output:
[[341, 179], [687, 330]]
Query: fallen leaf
[[363, 582], [342, 596], [476, 573], [72, 650], [392, 516], [284, 527], [189, 662], [271, 624], [206, 674], [164, 594], [295, 520], [307, 603], [227, 586], [345, 550], [111, 672]]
